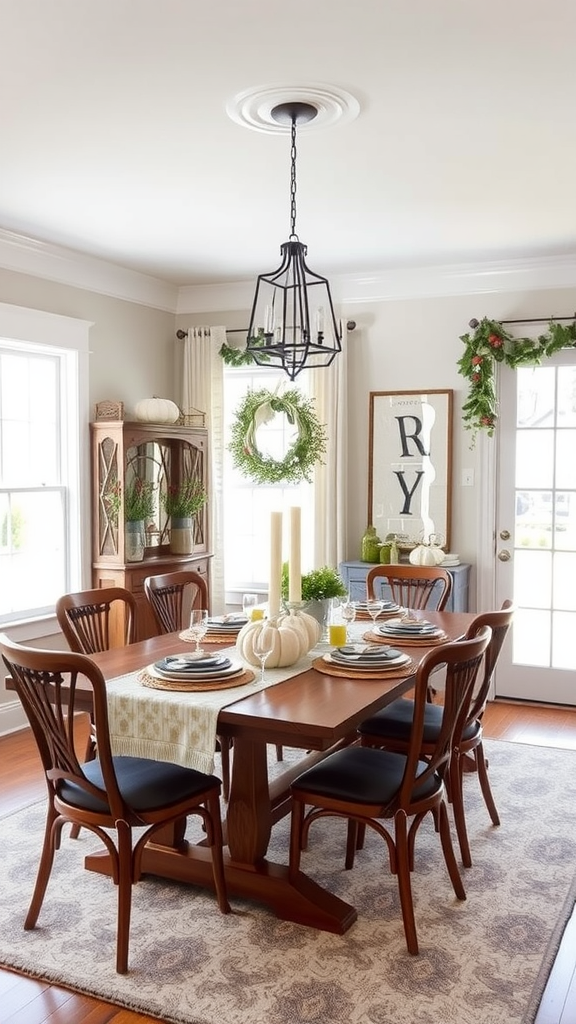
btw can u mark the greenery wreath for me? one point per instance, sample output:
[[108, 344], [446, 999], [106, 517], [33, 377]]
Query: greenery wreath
[[491, 343], [259, 407]]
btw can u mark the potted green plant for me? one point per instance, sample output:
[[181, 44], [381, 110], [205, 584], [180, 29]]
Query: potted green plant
[[139, 501], [182, 502], [139, 505], [319, 588]]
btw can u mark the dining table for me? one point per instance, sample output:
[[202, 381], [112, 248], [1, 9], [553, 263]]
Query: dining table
[[313, 710]]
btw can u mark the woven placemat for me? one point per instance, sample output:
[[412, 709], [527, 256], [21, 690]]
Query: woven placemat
[[399, 641], [330, 668], [191, 686]]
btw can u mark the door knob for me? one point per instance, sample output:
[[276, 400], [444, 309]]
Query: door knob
[[504, 534], [504, 555]]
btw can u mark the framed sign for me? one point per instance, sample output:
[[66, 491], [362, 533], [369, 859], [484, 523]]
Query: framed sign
[[410, 465]]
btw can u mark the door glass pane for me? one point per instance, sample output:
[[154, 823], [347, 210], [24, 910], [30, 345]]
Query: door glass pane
[[566, 458], [536, 396], [564, 590], [535, 458], [563, 632], [533, 578], [567, 396], [531, 637]]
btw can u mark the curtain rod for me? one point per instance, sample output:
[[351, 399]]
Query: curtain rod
[[529, 320], [350, 326]]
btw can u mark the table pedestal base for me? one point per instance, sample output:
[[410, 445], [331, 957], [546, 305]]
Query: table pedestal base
[[304, 902]]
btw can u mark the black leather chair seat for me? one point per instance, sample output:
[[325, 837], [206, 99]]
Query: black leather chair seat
[[395, 722], [362, 775], [144, 784]]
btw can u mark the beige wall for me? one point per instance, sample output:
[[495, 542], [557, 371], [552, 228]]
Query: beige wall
[[131, 345], [408, 345]]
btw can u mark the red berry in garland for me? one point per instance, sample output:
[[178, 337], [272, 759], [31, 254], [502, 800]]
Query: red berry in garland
[[476, 360], [495, 341]]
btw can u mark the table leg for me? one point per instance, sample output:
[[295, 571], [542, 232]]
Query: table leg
[[249, 821]]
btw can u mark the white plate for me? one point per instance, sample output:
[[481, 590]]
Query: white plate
[[366, 664], [234, 668]]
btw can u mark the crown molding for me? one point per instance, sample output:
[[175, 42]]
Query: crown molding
[[529, 274], [68, 267]]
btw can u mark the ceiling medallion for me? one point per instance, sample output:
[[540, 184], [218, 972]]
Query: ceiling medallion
[[253, 108]]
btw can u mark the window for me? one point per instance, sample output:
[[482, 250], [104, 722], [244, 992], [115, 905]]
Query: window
[[41, 492], [247, 506]]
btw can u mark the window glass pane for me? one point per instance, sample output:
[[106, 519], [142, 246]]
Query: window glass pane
[[248, 506], [35, 541], [32, 550]]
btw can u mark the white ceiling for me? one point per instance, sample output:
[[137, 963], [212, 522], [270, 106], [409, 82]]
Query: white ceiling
[[115, 141]]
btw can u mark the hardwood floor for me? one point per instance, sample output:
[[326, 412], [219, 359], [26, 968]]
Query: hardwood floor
[[26, 1001]]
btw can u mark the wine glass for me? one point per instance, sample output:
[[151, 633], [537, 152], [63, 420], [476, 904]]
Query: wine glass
[[263, 645], [374, 607], [198, 626], [348, 612], [249, 602]]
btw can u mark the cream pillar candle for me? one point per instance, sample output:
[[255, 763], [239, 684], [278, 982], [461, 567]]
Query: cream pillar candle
[[295, 564], [275, 578]]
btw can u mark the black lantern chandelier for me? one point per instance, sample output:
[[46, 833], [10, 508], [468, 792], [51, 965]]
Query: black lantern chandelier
[[293, 323]]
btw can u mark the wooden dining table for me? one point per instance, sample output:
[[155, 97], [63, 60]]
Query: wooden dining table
[[312, 710]]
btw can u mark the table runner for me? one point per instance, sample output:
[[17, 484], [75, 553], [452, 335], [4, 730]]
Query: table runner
[[168, 725]]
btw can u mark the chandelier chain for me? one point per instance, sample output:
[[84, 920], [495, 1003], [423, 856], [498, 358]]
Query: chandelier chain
[[293, 181]]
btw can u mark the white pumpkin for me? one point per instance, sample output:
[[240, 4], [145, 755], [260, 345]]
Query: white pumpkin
[[426, 554], [157, 410], [307, 623], [289, 643]]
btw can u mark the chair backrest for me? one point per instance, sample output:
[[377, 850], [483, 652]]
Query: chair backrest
[[90, 618], [462, 660], [48, 684], [413, 586], [499, 622], [172, 595]]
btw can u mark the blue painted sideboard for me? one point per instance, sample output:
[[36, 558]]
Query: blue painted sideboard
[[354, 576]]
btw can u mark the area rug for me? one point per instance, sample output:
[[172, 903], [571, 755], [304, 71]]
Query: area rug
[[482, 961]]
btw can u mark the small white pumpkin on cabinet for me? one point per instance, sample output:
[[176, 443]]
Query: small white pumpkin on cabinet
[[156, 410]]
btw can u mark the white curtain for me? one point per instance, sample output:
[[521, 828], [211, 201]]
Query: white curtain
[[202, 379], [329, 388]]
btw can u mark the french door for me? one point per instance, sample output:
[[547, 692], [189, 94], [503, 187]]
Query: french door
[[536, 529]]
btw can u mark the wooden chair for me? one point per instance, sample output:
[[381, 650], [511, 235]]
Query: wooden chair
[[365, 784], [171, 597], [412, 586], [107, 794], [391, 728], [89, 623], [87, 618]]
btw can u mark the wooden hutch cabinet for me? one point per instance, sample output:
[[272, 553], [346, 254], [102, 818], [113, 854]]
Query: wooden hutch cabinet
[[163, 455]]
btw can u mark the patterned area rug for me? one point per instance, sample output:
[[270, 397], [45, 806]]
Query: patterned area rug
[[483, 961]]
